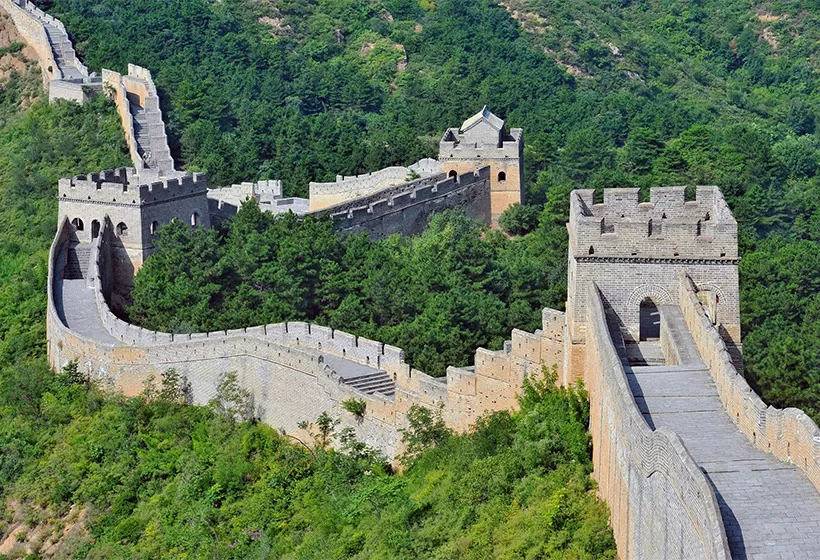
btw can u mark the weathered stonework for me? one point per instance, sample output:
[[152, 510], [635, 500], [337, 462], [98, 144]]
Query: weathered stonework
[[482, 140], [136, 209], [407, 208]]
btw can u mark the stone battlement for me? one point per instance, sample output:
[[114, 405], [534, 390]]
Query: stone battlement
[[123, 186], [352, 187], [406, 208], [455, 146], [666, 227]]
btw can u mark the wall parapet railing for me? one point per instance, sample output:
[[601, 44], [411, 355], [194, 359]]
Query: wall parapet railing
[[627, 454], [788, 433]]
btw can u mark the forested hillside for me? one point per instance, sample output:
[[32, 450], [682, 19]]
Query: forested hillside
[[609, 94], [85, 474]]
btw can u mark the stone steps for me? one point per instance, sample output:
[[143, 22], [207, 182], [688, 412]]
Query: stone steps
[[378, 382], [76, 267]]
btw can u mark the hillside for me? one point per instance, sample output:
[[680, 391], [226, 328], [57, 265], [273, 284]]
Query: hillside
[[609, 94]]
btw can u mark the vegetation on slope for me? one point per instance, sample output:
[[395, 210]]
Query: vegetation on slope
[[642, 94], [99, 476], [438, 296]]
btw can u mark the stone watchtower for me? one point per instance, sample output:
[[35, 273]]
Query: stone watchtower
[[635, 252], [136, 209], [481, 141]]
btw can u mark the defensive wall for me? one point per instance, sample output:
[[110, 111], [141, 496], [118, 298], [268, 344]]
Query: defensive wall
[[661, 504], [64, 75], [137, 101], [136, 209], [113, 84], [284, 365], [788, 433], [349, 187], [635, 251], [406, 208], [225, 202], [31, 29], [483, 140]]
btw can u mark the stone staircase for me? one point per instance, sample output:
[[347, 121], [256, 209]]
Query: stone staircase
[[76, 268], [644, 353], [371, 383], [149, 132], [63, 51]]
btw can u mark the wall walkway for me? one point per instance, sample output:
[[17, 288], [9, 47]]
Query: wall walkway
[[769, 508]]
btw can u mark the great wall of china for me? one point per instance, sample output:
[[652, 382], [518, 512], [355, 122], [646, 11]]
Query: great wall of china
[[690, 460]]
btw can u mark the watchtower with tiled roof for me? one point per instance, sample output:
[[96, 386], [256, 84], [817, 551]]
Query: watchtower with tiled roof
[[480, 141]]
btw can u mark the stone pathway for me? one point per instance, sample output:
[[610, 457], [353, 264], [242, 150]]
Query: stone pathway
[[770, 509]]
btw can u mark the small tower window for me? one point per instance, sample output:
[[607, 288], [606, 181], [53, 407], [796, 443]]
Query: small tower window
[[606, 228], [154, 226], [195, 219], [452, 174], [591, 250], [649, 229], [698, 229], [122, 229], [78, 224], [502, 177], [95, 229]]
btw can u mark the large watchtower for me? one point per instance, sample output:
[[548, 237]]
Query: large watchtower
[[635, 252], [480, 141], [136, 208]]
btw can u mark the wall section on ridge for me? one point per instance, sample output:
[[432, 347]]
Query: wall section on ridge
[[284, 364], [661, 504], [787, 433]]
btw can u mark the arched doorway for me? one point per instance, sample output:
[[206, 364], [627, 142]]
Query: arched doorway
[[650, 320], [78, 224], [453, 174], [95, 229], [122, 229]]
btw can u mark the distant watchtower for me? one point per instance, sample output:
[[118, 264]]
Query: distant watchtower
[[635, 251], [136, 210], [480, 141]]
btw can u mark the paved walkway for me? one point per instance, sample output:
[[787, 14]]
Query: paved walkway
[[770, 509], [77, 308]]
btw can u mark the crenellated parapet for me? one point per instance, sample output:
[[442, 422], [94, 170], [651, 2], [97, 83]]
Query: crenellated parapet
[[483, 140], [635, 250], [136, 208], [667, 227], [347, 188], [406, 208]]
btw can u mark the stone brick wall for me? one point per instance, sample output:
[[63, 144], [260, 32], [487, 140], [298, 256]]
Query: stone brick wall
[[407, 208], [613, 245], [347, 188], [481, 145], [787, 433], [281, 365], [34, 34], [142, 208], [661, 504]]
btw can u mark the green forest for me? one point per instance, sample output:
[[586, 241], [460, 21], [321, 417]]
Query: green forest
[[609, 92]]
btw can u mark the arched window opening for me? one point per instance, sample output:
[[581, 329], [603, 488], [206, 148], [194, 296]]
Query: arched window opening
[[122, 229], [698, 229], [78, 224], [650, 320], [95, 229], [195, 219], [502, 177], [452, 174], [649, 229], [154, 227], [591, 250]]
